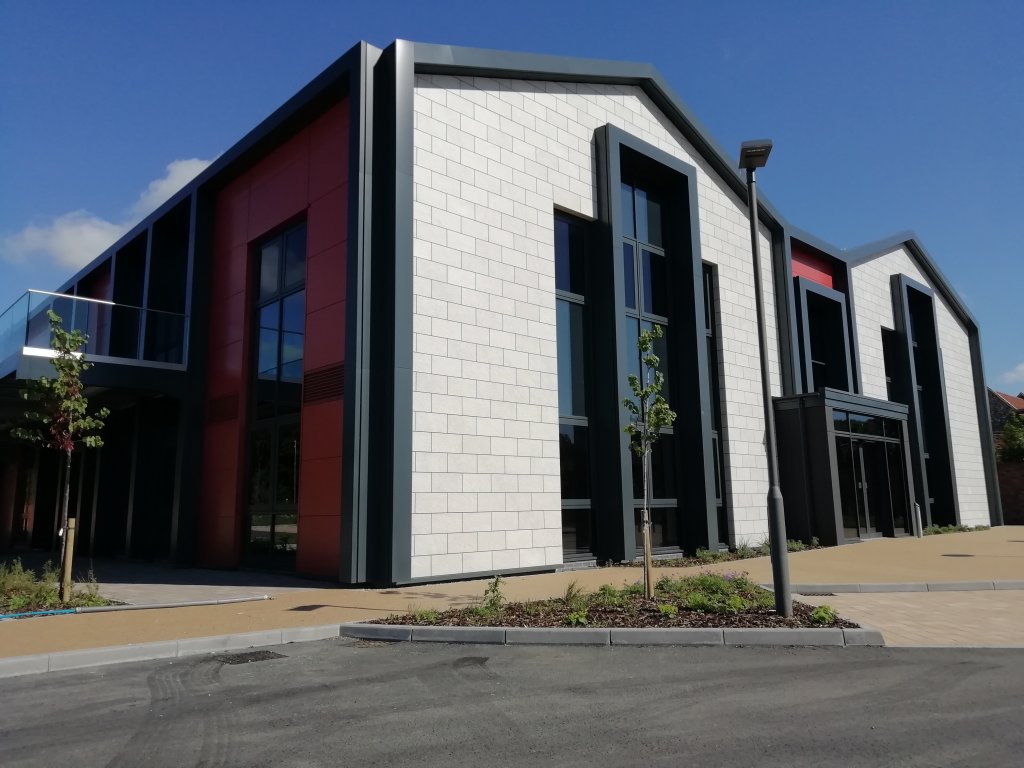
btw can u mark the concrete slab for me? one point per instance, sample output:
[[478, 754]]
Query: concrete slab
[[24, 665], [959, 586], [545, 636], [486, 635], [783, 637], [681, 636], [377, 631], [95, 657]]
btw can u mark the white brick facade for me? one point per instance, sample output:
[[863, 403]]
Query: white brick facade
[[873, 300], [493, 159]]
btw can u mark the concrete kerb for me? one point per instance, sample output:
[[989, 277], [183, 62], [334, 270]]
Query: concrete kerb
[[906, 586], [614, 636], [167, 649]]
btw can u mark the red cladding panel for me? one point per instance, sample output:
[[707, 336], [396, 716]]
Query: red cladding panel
[[325, 337], [812, 266], [328, 152], [321, 430], [304, 175], [326, 278], [319, 549], [328, 221]]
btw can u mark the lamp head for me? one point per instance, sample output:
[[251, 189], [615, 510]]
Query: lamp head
[[754, 154]]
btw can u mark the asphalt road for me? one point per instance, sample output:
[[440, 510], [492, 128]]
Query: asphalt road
[[342, 703]]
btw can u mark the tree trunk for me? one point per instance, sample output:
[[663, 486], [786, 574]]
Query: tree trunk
[[65, 552], [646, 525]]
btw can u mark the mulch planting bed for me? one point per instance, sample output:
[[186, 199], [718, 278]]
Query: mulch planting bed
[[706, 600]]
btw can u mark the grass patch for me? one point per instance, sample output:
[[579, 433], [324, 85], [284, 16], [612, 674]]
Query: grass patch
[[935, 530], [22, 590], [703, 600]]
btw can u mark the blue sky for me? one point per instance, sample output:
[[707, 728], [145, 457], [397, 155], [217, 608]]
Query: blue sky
[[886, 116]]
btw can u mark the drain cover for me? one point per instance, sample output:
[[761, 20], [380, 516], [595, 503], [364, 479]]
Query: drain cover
[[249, 657], [956, 554], [818, 594]]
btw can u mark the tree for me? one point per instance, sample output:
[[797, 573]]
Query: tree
[[60, 418], [1012, 449], [649, 415]]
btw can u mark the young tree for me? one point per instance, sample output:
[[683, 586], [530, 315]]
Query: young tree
[[649, 415], [60, 418], [1012, 449]]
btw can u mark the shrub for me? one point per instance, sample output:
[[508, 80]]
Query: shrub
[[824, 614], [427, 616], [577, 618], [668, 610], [574, 595], [494, 598]]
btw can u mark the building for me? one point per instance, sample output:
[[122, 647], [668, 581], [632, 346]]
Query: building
[[385, 338], [1011, 473]]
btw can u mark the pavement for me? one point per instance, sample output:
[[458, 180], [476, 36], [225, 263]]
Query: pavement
[[980, 561]]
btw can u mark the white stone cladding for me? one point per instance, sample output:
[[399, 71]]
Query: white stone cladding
[[492, 161], [873, 302]]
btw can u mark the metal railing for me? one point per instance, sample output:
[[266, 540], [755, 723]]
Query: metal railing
[[114, 330]]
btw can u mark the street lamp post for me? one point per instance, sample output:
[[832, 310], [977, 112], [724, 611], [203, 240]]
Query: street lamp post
[[754, 155]]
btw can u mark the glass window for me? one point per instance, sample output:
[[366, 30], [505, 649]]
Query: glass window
[[259, 476], [629, 275], [295, 257], [841, 421], [574, 457], [628, 230], [664, 527], [577, 531], [569, 256], [270, 255], [571, 368], [648, 218], [288, 464], [655, 284], [663, 470]]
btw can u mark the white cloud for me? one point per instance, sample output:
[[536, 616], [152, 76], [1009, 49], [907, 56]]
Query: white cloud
[[1014, 376], [75, 238], [179, 173], [69, 240]]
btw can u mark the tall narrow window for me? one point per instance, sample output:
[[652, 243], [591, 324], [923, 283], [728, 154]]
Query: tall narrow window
[[714, 384], [573, 364], [280, 317], [646, 303]]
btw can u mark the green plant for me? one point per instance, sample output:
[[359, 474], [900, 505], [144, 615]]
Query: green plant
[[815, 543], [668, 610], [577, 618], [745, 552], [935, 530], [59, 418], [649, 414], [574, 594], [1011, 439], [824, 614], [792, 545], [493, 597], [708, 556], [426, 615]]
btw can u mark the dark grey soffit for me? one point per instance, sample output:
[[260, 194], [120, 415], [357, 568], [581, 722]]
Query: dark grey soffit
[[337, 72]]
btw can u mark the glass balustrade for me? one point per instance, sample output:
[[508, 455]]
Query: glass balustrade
[[113, 330]]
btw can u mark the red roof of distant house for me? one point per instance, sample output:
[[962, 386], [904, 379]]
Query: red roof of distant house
[[1017, 403]]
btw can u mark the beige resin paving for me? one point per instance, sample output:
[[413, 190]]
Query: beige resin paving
[[936, 618]]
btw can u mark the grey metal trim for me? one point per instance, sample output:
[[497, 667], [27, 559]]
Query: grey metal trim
[[805, 286], [695, 422], [856, 372], [352, 567], [785, 313], [391, 329], [988, 448]]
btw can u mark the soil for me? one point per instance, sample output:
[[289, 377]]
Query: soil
[[639, 613]]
